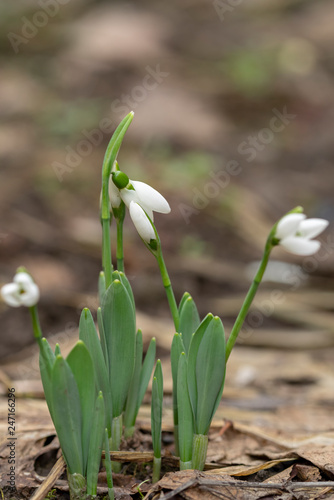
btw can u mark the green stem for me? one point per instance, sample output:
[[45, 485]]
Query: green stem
[[249, 298], [106, 251], [116, 437], [200, 448], [156, 469], [36, 325], [169, 290], [119, 250]]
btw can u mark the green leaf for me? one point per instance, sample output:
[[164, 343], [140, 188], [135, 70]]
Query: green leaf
[[95, 445], [185, 296], [210, 373], [146, 371], [101, 286], [156, 409], [192, 358], [81, 364], [130, 413], [57, 350], [189, 321], [118, 275], [67, 414], [176, 350], [103, 337], [120, 331], [46, 361], [185, 414], [88, 334]]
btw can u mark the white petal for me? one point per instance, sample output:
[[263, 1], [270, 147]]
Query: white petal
[[300, 246], [129, 195], [11, 294], [310, 228], [30, 296], [288, 225], [150, 197], [114, 194], [148, 210], [23, 279], [141, 222]]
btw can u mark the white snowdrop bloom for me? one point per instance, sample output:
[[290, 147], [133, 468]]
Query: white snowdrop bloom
[[146, 196], [295, 233], [22, 292], [141, 222]]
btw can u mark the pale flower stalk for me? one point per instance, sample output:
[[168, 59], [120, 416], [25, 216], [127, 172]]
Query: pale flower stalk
[[22, 292], [294, 232]]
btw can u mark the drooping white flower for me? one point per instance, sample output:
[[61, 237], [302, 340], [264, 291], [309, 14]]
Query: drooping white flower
[[295, 233], [22, 292], [141, 222], [146, 196]]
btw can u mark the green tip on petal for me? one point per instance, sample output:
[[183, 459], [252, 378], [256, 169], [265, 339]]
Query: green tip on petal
[[120, 179]]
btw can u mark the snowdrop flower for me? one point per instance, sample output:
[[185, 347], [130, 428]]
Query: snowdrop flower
[[123, 188], [295, 233], [141, 222], [22, 292]]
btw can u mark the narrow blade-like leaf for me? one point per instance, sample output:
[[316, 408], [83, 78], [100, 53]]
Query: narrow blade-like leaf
[[156, 409], [192, 358], [120, 331], [210, 370], [95, 445], [189, 321], [46, 362], [131, 401], [185, 414], [67, 414], [88, 334], [102, 286], [146, 371], [81, 365], [103, 340]]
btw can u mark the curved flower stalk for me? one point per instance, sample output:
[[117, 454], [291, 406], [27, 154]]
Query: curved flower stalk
[[294, 232]]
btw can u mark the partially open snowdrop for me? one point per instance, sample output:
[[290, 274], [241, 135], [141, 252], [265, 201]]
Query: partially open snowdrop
[[141, 222], [123, 188], [294, 232], [22, 292]]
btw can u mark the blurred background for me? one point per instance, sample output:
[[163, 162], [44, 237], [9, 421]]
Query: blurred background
[[234, 123]]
